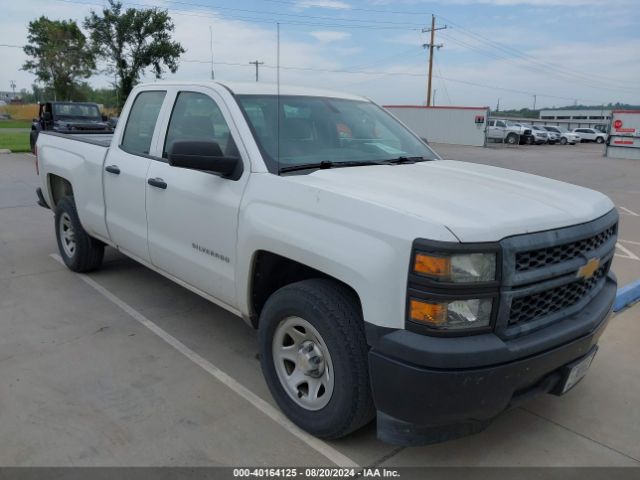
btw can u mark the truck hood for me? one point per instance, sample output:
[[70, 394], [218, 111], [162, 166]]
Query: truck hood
[[475, 202]]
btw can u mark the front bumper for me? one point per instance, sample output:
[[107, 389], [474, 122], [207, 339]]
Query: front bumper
[[425, 393]]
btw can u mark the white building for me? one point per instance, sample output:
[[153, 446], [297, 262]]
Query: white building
[[602, 115]]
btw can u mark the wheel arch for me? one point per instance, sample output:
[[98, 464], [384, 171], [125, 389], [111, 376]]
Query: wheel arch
[[270, 271], [59, 187]]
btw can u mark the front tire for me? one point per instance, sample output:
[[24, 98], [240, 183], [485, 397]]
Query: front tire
[[79, 251], [313, 354], [563, 141]]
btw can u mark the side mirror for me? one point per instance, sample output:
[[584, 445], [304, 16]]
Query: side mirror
[[205, 156], [46, 116], [424, 140], [35, 120], [105, 118]]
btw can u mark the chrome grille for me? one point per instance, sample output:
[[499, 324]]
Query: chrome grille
[[542, 257]]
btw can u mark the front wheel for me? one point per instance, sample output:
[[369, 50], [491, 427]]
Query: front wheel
[[79, 251], [313, 354], [563, 141]]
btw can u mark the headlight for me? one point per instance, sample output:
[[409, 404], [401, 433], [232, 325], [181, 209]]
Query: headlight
[[456, 268], [453, 314]]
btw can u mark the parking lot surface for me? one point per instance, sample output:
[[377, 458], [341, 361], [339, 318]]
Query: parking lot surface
[[123, 367]]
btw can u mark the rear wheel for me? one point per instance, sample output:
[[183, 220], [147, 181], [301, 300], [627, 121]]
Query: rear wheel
[[599, 140], [512, 139], [313, 354], [79, 251]]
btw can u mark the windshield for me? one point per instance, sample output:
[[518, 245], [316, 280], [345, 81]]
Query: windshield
[[76, 110], [323, 129]]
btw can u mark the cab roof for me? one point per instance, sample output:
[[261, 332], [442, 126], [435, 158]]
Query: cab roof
[[259, 88]]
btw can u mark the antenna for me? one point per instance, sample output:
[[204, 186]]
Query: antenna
[[278, 94], [211, 49]]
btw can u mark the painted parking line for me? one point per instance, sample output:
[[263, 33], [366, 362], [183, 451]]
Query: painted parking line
[[626, 253], [631, 242], [626, 211], [318, 445]]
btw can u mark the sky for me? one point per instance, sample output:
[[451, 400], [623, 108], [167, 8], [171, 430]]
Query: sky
[[517, 52]]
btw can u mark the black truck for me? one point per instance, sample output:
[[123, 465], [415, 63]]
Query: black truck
[[68, 117]]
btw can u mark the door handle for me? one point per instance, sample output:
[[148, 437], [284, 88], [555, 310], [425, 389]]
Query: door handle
[[157, 182], [113, 169]]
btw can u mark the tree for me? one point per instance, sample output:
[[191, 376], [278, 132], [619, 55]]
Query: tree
[[130, 41], [59, 55]]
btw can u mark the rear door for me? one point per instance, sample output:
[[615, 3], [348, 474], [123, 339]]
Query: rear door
[[493, 131], [125, 176], [193, 215]]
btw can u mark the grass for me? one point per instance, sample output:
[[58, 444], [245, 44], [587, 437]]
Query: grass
[[15, 141], [15, 124]]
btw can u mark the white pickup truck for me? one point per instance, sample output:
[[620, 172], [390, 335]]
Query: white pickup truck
[[381, 279]]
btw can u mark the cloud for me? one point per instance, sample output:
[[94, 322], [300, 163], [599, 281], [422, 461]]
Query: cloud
[[331, 4], [327, 36]]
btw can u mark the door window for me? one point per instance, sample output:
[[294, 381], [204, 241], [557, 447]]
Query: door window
[[142, 122], [196, 116]]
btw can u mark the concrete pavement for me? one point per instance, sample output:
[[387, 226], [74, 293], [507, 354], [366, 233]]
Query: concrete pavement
[[83, 382]]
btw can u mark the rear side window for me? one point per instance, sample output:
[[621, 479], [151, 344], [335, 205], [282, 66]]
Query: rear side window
[[142, 122], [196, 116]]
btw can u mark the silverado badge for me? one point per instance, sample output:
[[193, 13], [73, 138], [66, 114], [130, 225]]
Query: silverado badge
[[586, 271]]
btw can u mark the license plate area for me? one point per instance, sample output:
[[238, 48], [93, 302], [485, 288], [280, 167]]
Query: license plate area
[[575, 371]]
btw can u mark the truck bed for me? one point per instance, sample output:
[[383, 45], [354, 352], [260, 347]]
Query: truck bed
[[102, 139]]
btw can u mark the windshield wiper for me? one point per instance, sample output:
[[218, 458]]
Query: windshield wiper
[[403, 160], [326, 164]]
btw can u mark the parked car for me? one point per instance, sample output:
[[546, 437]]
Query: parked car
[[565, 135], [380, 278], [540, 135], [554, 136], [508, 132], [549, 137], [68, 117], [590, 135]]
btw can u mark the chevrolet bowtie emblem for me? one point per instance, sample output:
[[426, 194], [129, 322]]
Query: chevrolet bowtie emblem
[[586, 271]]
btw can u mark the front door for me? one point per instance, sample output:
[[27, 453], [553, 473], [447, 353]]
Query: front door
[[125, 176], [193, 215]]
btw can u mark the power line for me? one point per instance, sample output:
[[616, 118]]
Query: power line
[[272, 21], [540, 63], [295, 15], [540, 69], [405, 73]]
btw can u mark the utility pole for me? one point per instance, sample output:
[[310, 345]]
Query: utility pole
[[535, 97], [257, 64], [12, 84], [498, 106], [431, 45]]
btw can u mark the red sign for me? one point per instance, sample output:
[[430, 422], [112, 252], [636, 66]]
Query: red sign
[[617, 124]]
